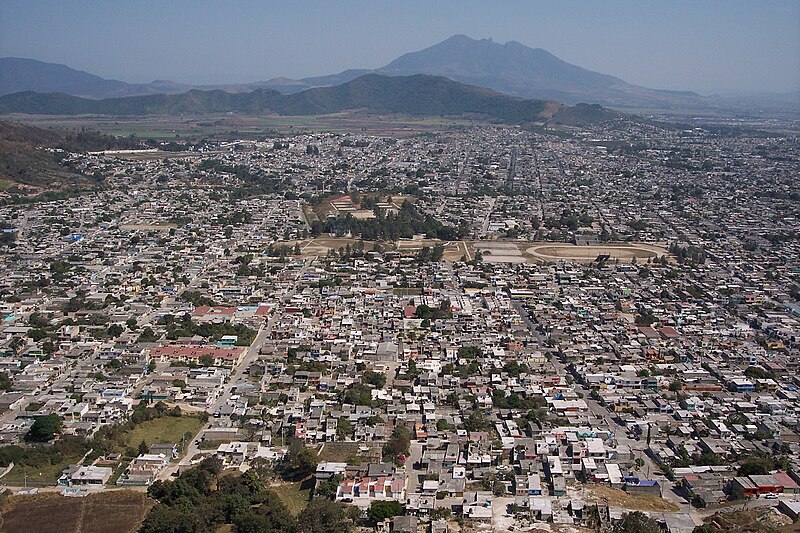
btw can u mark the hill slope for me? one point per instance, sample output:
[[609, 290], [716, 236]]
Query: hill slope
[[25, 162], [412, 95]]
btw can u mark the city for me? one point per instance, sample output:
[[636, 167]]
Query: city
[[488, 327]]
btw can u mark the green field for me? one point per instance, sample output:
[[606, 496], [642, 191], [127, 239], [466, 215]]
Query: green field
[[295, 496], [238, 126], [39, 475], [160, 430]]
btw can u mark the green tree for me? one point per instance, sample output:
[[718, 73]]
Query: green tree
[[441, 513], [755, 466], [5, 382], [324, 516], [344, 428], [206, 360], [636, 522], [143, 448], [44, 428], [328, 488], [382, 509], [376, 379], [398, 443], [115, 330]]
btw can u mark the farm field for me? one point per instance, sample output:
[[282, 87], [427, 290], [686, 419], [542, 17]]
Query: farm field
[[107, 512]]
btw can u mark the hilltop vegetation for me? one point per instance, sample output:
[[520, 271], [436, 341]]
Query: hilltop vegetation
[[34, 159]]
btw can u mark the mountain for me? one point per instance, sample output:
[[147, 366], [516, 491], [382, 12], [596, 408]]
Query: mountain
[[518, 70], [511, 68], [413, 95], [18, 74]]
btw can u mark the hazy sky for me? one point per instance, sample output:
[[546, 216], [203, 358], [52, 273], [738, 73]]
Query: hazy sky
[[702, 45]]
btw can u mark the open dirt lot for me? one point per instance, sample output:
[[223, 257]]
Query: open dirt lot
[[636, 502], [624, 252], [496, 251]]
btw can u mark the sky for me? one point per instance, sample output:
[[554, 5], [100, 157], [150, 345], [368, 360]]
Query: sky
[[708, 46]]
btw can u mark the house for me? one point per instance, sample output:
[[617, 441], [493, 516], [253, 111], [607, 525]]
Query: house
[[86, 475], [477, 506]]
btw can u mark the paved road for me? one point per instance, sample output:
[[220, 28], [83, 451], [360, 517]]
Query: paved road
[[412, 475]]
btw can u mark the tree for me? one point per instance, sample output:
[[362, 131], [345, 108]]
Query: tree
[[398, 443], [115, 330], [636, 522], [327, 489], [5, 382], [44, 428], [301, 461], [143, 448], [441, 513], [755, 466], [498, 488], [207, 360], [147, 335], [344, 428], [376, 379], [382, 509], [323, 516]]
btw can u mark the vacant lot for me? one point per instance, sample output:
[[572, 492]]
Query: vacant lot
[[344, 452], [106, 512], [166, 429], [763, 520], [635, 502]]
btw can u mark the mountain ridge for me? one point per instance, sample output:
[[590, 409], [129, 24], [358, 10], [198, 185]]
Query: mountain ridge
[[419, 94]]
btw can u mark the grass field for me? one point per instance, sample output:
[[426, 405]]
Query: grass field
[[295, 496], [240, 126], [38, 476], [166, 429], [106, 512]]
